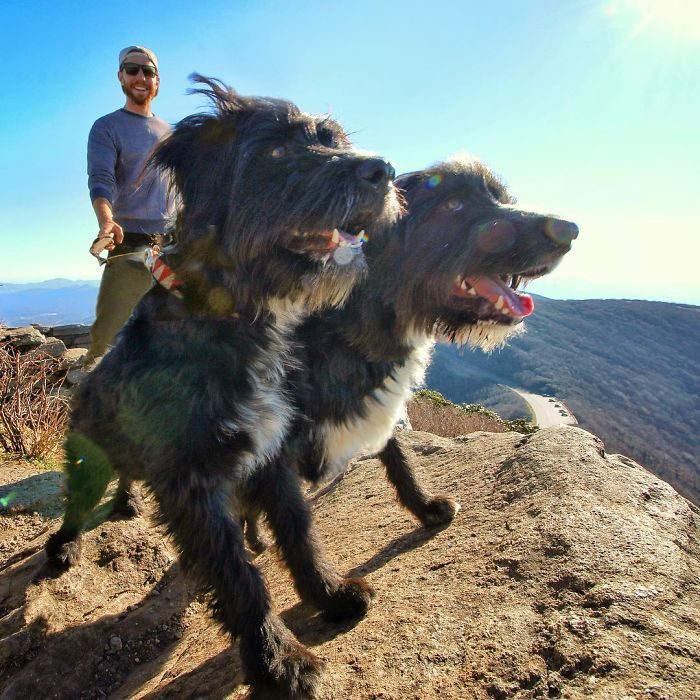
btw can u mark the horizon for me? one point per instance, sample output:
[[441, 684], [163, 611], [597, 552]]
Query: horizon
[[584, 110], [578, 292]]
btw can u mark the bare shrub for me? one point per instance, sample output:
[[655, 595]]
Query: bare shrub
[[431, 412], [33, 414]]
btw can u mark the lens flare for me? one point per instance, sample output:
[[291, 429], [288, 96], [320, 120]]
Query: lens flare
[[562, 232], [433, 181], [343, 255], [220, 300], [6, 500], [496, 236], [678, 18]]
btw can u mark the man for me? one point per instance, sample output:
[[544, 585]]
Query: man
[[133, 208]]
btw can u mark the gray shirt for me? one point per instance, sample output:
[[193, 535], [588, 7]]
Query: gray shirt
[[118, 147]]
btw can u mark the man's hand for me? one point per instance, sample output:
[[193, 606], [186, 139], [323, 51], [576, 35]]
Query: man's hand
[[109, 235], [112, 230]]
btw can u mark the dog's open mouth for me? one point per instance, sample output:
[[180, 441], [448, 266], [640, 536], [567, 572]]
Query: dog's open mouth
[[500, 293], [321, 246]]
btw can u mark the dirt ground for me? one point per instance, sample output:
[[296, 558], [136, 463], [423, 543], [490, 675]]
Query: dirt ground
[[567, 573]]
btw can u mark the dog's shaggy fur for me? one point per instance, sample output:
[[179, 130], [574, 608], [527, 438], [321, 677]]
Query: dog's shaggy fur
[[193, 397], [437, 273]]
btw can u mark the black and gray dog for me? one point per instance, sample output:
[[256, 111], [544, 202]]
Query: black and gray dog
[[449, 269], [193, 396]]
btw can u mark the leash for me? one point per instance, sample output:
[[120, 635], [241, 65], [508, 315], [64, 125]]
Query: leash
[[140, 256], [146, 256], [149, 257]]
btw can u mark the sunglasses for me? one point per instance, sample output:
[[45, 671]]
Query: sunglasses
[[134, 68]]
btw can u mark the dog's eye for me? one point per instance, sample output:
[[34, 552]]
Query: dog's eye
[[279, 152], [453, 204]]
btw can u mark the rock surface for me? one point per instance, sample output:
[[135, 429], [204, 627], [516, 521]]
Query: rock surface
[[23, 338], [567, 573], [68, 348]]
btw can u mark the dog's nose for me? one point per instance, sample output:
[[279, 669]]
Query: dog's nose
[[376, 171], [560, 231]]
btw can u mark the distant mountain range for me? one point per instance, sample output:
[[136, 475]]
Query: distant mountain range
[[54, 302], [629, 370]]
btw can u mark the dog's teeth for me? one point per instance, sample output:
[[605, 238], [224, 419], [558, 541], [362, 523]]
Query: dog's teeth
[[463, 285], [472, 292], [336, 236], [500, 303]]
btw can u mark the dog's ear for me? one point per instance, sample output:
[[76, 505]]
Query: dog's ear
[[184, 151], [192, 136], [224, 98], [174, 152]]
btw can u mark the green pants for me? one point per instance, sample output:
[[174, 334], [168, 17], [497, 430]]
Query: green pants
[[124, 282]]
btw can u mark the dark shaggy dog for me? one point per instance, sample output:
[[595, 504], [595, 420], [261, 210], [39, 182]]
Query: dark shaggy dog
[[448, 269], [192, 398]]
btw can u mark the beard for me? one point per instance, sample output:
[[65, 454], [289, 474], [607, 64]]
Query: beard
[[139, 98]]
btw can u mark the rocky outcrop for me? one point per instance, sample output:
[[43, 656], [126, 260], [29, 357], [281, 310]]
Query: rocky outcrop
[[76, 335], [567, 573], [66, 344]]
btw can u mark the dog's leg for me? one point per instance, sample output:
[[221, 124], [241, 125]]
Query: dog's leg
[[277, 491], [430, 510], [127, 501], [197, 510], [250, 523], [88, 471]]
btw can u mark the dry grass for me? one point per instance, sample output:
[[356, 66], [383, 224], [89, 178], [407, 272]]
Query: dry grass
[[33, 415], [431, 412]]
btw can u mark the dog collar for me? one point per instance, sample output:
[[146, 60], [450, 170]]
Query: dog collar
[[166, 277]]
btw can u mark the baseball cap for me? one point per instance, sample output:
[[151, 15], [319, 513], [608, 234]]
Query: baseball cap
[[138, 49]]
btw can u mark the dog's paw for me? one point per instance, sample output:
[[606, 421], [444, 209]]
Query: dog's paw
[[128, 504], [440, 510], [63, 552], [282, 667], [351, 599], [297, 672], [129, 507]]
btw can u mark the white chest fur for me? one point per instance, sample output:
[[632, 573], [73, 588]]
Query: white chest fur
[[383, 408]]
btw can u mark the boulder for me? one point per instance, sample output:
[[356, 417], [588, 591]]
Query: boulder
[[568, 573], [24, 338], [53, 347]]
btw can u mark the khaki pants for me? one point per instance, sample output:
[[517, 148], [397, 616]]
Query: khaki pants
[[124, 282]]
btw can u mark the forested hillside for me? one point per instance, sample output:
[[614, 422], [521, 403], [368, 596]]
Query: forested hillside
[[629, 370]]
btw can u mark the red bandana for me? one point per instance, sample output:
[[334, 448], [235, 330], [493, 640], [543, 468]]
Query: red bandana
[[166, 277]]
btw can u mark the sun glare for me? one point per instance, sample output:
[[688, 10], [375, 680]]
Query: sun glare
[[681, 18]]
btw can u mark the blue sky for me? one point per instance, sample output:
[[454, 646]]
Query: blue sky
[[586, 108]]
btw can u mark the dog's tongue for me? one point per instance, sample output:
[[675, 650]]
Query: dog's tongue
[[492, 288]]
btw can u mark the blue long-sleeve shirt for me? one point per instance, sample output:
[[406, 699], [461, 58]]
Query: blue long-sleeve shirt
[[118, 147]]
